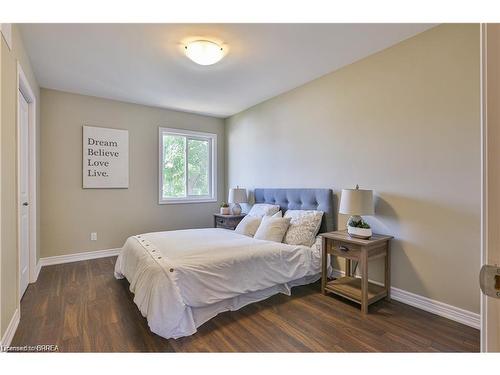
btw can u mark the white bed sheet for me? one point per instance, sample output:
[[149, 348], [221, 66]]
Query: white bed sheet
[[181, 279]]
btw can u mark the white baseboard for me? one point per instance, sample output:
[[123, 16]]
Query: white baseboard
[[435, 307], [59, 259], [37, 270], [11, 329]]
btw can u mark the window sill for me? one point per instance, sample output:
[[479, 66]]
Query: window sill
[[182, 201]]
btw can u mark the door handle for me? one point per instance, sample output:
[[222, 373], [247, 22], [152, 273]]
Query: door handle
[[489, 280], [25, 203]]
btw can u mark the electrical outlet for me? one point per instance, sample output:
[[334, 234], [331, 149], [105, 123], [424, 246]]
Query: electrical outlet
[[93, 236]]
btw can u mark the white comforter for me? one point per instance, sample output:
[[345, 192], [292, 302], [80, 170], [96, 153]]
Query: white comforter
[[174, 274]]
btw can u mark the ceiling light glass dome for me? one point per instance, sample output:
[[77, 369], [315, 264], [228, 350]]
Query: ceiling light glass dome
[[204, 52]]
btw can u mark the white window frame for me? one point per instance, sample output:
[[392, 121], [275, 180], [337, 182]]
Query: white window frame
[[189, 134]]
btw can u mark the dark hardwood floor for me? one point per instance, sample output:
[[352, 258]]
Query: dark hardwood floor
[[81, 307]]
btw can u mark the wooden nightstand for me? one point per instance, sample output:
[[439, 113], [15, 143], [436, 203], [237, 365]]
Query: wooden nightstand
[[227, 221], [356, 289]]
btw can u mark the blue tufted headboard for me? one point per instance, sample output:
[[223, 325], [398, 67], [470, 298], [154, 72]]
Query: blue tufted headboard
[[302, 199]]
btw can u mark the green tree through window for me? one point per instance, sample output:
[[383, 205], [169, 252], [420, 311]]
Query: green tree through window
[[174, 166], [198, 164], [186, 165]]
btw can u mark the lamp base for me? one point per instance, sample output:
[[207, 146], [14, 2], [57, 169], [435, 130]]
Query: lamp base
[[355, 232], [236, 209], [362, 233]]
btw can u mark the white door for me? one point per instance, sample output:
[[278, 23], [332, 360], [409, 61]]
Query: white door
[[23, 194]]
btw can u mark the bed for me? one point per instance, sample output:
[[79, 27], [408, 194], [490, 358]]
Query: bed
[[181, 279]]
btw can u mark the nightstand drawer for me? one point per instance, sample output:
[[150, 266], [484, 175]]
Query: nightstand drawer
[[343, 249], [227, 221]]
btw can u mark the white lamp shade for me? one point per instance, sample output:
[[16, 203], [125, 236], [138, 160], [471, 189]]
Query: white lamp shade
[[356, 202], [237, 195]]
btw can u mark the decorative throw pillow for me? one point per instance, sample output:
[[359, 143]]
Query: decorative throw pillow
[[263, 209], [272, 228], [248, 225], [304, 226]]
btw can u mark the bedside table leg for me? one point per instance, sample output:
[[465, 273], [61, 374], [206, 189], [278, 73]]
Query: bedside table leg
[[324, 259], [388, 272], [364, 281]]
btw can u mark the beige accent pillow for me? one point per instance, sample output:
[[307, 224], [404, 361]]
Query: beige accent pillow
[[248, 225], [263, 209], [272, 228], [304, 226]]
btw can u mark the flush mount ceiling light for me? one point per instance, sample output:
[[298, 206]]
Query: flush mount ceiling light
[[204, 52]]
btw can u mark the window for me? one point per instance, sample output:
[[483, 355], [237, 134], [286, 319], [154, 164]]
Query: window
[[187, 166]]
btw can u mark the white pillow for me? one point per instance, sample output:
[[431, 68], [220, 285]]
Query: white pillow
[[304, 226], [272, 228], [263, 209], [248, 225], [278, 214]]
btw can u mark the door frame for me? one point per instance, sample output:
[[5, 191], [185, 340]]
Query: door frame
[[484, 180], [24, 87]]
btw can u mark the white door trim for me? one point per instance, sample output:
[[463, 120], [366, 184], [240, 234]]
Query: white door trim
[[484, 180], [24, 87]]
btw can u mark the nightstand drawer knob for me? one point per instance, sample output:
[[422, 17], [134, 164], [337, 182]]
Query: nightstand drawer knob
[[343, 248]]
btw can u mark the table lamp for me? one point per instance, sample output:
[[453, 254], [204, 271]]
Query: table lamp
[[357, 202], [237, 195]]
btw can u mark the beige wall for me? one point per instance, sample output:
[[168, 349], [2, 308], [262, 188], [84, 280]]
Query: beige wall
[[8, 165], [403, 122], [69, 213]]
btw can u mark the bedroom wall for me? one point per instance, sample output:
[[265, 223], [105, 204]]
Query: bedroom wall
[[69, 213], [403, 122], [8, 165]]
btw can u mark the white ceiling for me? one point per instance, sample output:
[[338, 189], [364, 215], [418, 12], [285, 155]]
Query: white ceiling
[[144, 63]]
